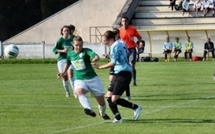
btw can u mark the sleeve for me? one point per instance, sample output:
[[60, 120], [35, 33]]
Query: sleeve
[[205, 46], [68, 61], [180, 45], [114, 55], [136, 33], [164, 47], [183, 5], [57, 46], [194, 5], [90, 53], [185, 45]]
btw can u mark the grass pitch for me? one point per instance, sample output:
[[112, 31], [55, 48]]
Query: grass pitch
[[177, 98]]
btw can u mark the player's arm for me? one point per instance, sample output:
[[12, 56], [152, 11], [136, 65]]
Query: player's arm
[[95, 59], [113, 55], [64, 72]]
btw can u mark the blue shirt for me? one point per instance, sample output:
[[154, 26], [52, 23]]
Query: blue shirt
[[118, 56], [167, 45]]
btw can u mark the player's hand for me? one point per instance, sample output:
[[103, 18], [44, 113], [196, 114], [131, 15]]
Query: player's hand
[[65, 50], [60, 75], [95, 65], [107, 56]]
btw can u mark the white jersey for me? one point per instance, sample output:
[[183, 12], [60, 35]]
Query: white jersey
[[197, 5], [206, 4]]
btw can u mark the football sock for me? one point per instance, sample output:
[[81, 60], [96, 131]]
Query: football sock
[[134, 75], [71, 80], [102, 110], [66, 85], [113, 107], [125, 103], [84, 101], [127, 91]]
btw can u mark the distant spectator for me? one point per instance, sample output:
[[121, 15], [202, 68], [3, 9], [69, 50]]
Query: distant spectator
[[185, 7], [213, 7], [167, 47], [172, 4], [208, 47], [140, 48], [206, 4], [177, 48], [180, 4], [197, 7], [188, 48]]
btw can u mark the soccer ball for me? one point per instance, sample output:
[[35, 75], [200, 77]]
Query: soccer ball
[[11, 51]]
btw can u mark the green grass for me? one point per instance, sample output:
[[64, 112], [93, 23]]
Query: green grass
[[177, 97]]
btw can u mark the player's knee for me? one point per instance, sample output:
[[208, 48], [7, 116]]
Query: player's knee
[[80, 91]]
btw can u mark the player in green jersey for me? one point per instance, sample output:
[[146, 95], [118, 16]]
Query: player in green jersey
[[62, 46], [70, 70], [86, 79]]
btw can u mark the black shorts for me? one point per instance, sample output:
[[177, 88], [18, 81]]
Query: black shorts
[[120, 83], [184, 10], [167, 51], [177, 50], [132, 53], [198, 9], [208, 8]]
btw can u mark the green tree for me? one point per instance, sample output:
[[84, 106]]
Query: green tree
[[18, 15]]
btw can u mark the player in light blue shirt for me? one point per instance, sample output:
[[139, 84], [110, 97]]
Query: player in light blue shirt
[[122, 69], [167, 47]]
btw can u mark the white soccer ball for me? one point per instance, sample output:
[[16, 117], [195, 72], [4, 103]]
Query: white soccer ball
[[11, 51]]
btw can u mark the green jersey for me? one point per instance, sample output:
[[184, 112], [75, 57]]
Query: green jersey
[[188, 45], [61, 44], [81, 63], [177, 45]]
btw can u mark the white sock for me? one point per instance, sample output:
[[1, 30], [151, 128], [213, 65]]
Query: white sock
[[84, 101], [102, 110], [66, 85], [71, 80]]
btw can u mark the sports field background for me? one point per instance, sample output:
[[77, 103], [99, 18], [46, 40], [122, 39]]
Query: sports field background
[[177, 98]]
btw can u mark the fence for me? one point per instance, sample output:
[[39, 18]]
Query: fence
[[42, 50]]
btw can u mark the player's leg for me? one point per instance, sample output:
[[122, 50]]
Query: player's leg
[[112, 106], [190, 54], [185, 55], [122, 79], [96, 88], [60, 65], [80, 90], [71, 79], [132, 60]]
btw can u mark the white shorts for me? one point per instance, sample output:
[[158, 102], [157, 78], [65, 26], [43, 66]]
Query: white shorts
[[94, 86], [60, 65], [71, 67]]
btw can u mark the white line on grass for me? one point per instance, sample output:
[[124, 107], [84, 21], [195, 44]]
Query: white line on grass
[[70, 106], [161, 108], [174, 105]]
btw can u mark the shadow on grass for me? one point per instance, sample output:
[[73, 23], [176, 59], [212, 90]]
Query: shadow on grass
[[170, 121]]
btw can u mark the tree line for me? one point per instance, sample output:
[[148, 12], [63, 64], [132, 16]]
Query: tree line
[[18, 15]]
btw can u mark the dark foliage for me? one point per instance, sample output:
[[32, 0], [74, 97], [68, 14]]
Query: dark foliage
[[18, 15]]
